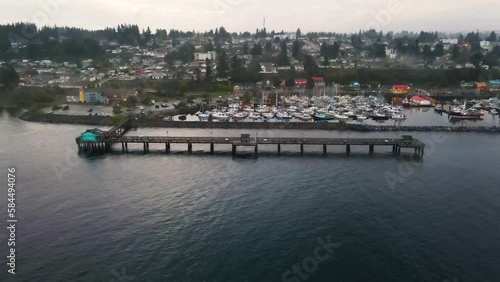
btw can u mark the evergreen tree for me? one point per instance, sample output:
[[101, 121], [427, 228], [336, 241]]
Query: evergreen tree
[[8, 78], [296, 49], [492, 37], [298, 34], [222, 65], [209, 46], [455, 52], [208, 73], [491, 59], [326, 61], [283, 57], [257, 49], [438, 50], [269, 46], [147, 35], [476, 58], [427, 53], [236, 62]]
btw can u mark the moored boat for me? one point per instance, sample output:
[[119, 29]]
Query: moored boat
[[321, 116]]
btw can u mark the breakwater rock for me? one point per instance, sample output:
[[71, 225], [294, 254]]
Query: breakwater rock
[[67, 119], [107, 121]]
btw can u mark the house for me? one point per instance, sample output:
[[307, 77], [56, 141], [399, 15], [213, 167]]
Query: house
[[437, 66], [46, 63], [158, 75], [291, 36], [391, 53], [268, 68], [300, 83], [204, 56], [318, 81], [486, 45], [284, 68], [87, 63]]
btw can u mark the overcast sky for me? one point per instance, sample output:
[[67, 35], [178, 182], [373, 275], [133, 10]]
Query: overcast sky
[[243, 15]]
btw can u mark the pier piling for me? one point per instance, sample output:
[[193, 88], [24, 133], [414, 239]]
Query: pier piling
[[372, 149], [279, 148], [301, 148], [324, 149], [212, 148], [348, 149]]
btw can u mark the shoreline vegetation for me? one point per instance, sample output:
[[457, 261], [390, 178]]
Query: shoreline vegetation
[[109, 121]]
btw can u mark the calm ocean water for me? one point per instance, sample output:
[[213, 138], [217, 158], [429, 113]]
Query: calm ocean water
[[199, 217]]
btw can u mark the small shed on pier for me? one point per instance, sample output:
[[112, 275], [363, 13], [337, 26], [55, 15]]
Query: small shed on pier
[[92, 135]]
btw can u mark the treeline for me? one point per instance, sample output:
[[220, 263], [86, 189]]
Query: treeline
[[424, 77]]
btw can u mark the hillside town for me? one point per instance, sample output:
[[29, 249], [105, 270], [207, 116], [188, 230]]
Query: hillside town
[[218, 54]]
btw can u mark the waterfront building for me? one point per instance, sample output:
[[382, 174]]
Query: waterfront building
[[400, 89], [81, 95], [92, 135], [94, 97]]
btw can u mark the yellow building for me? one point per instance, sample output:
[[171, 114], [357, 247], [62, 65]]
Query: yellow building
[[82, 95], [400, 89]]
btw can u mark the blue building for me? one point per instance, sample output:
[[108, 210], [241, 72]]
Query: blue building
[[94, 98]]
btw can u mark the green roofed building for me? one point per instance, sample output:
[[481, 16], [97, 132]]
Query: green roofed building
[[92, 135]]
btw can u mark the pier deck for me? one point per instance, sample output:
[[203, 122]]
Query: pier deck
[[115, 135], [397, 144]]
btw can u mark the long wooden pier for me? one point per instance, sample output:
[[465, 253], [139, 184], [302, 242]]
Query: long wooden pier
[[102, 141], [245, 140]]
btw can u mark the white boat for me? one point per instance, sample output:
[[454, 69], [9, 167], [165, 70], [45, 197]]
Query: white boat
[[398, 117], [283, 115], [254, 116], [361, 117], [220, 116], [267, 115], [239, 116], [305, 117], [340, 116], [494, 112]]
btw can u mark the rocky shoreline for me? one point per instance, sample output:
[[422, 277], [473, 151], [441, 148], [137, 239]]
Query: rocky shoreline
[[107, 121]]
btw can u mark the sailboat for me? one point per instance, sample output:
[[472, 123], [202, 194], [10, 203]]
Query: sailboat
[[465, 113]]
